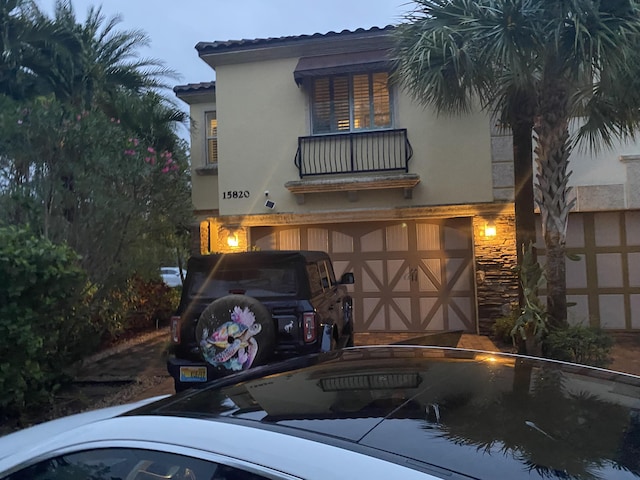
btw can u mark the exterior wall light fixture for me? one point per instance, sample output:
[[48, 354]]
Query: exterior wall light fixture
[[232, 240], [490, 229]]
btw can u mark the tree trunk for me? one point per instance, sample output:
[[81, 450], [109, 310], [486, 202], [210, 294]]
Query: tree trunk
[[523, 177], [556, 279], [552, 159], [520, 114]]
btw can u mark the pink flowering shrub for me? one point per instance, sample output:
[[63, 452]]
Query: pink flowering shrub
[[164, 159]]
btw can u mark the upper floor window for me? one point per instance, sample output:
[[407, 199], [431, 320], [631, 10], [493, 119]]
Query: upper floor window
[[212, 137], [344, 103]]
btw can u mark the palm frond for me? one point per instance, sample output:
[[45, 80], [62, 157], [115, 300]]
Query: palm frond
[[453, 54]]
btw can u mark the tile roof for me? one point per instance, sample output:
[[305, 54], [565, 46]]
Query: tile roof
[[194, 87], [209, 47]]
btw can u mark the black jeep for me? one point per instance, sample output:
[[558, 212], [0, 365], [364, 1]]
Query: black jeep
[[246, 309]]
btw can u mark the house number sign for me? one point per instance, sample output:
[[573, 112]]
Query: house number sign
[[235, 194]]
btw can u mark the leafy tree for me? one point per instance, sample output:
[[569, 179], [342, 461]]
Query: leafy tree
[[94, 185], [537, 65], [94, 181], [68, 162]]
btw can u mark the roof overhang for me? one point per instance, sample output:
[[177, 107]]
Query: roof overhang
[[245, 51], [353, 62], [194, 93]]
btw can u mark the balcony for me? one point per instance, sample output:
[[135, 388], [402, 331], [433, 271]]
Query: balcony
[[363, 152], [354, 161]]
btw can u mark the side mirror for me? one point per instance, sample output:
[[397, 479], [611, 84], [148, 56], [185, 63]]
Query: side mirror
[[347, 278]]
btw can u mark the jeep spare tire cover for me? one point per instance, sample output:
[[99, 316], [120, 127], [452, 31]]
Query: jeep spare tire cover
[[235, 333]]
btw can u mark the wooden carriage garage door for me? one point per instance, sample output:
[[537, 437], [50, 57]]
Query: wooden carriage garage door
[[411, 276]]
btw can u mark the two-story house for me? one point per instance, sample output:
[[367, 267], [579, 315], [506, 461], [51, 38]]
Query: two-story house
[[306, 142]]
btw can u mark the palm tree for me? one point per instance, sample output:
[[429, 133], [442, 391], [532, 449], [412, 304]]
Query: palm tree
[[16, 30], [152, 117], [536, 64], [92, 63]]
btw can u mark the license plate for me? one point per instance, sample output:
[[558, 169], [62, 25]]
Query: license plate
[[193, 374]]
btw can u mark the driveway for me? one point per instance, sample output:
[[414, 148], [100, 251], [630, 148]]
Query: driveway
[[134, 370]]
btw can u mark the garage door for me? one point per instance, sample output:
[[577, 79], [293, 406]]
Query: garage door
[[603, 279], [411, 276]]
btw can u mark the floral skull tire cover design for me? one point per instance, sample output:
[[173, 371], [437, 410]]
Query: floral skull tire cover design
[[235, 333]]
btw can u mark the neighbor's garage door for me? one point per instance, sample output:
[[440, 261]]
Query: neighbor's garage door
[[603, 279], [411, 276]]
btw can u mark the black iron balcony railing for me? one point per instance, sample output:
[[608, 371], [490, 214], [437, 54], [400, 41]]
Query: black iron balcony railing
[[373, 151]]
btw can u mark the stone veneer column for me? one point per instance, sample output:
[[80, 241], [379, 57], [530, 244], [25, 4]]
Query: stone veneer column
[[632, 192], [502, 163], [495, 259], [213, 237]]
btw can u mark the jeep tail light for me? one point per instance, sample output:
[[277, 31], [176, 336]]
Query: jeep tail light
[[175, 329], [309, 327]]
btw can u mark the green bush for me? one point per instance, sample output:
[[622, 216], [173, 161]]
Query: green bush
[[503, 327], [136, 306], [40, 287], [107, 312], [152, 303], [578, 344]]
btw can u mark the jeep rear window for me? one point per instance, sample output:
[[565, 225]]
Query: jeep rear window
[[260, 281]]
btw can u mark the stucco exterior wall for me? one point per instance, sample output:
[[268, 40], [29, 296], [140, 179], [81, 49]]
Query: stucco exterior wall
[[261, 114], [452, 154], [602, 167], [601, 180]]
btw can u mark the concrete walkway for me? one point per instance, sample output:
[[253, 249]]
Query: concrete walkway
[[446, 339]]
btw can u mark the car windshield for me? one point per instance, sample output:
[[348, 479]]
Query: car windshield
[[261, 281]]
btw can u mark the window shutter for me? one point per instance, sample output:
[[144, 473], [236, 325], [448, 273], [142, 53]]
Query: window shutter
[[212, 137], [341, 103], [321, 106], [361, 102]]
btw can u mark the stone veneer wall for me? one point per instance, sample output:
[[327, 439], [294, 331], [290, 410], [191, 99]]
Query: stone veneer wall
[[495, 260], [496, 257], [212, 237], [502, 163]]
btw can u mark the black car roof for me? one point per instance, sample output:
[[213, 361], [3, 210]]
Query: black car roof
[[475, 414]]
